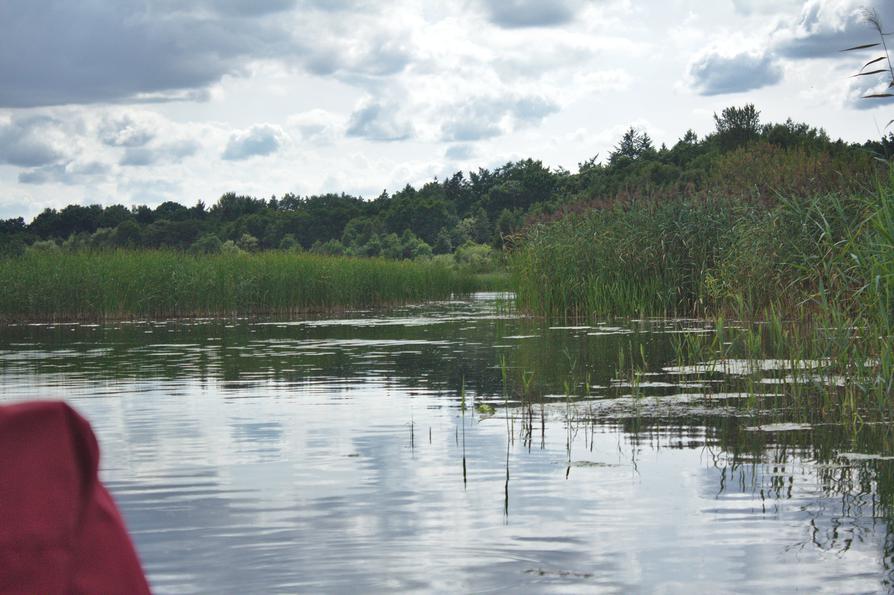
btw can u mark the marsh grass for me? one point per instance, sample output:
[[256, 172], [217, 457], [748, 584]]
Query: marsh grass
[[646, 259], [494, 281], [810, 278], [50, 286]]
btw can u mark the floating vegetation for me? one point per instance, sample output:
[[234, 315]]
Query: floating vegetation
[[485, 409]]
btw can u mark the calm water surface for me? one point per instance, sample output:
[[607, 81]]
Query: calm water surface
[[264, 456]]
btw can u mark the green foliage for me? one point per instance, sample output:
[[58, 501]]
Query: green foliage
[[49, 284], [172, 211], [231, 207], [684, 257], [474, 228], [742, 160], [174, 234], [413, 247], [783, 258], [77, 241], [43, 247], [443, 243], [103, 238], [207, 244], [230, 248], [128, 234], [289, 242], [476, 258], [737, 126], [11, 245], [248, 243], [633, 144], [328, 248], [417, 212], [360, 230], [507, 224], [826, 259], [391, 246], [792, 134], [648, 259]]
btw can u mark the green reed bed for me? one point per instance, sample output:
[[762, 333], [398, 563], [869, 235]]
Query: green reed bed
[[155, 284], [815, 273], [651, 257]]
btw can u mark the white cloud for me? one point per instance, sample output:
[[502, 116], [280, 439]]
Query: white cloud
[[543, 59], [460, 152], [825, 27], [32, 141], [258, 141], [128, 129], [151, 191], [357, 57], [764, 7], [378, 120], [715, 72], [73, 172], [857, 89], [61, 52], [174, 151], [317, 126], [531, 13], [489, 116]]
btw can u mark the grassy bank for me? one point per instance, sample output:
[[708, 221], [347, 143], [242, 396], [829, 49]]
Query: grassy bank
[[158, 283], [815, 272]]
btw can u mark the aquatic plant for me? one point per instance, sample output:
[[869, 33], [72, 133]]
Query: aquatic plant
[[817, 271], [161, 284]]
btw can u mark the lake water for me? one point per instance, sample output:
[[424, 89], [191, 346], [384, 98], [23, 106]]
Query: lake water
[[335, 455]]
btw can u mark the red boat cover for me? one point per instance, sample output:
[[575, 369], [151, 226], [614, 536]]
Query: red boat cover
[[60, 531]]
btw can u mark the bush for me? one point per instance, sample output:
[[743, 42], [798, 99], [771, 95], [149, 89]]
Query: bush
[[248, 243], [207, 244], [43, 246], [477, 258], [289, 242], [328, 248], [230, 248]]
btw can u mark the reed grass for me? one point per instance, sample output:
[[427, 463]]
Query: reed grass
[[648, 258], [817, 273], [49, 286]]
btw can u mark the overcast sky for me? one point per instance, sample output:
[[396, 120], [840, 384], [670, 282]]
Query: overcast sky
[[141, 101]]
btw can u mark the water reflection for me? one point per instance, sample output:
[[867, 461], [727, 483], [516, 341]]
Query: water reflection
[[334, 455]]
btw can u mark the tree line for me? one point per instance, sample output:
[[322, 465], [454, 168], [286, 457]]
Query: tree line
[[741, 157]]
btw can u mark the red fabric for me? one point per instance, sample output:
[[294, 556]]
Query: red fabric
[[60, 531]]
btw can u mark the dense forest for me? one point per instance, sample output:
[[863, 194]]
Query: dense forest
[[742, 158]]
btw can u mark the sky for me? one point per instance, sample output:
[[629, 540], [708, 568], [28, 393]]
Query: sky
[[142, 101]]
